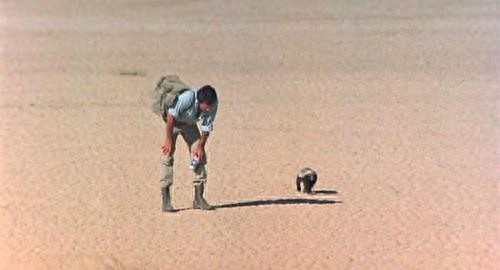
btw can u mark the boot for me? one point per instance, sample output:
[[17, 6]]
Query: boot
[[165, 196], [199, 202]]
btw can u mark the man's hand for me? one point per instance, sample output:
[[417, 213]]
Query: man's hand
[[168, 148], [199, 153]]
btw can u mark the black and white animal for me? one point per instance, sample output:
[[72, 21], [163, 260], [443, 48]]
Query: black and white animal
[[306, 177]]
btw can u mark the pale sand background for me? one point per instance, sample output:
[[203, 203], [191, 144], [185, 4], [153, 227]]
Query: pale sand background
[[394, 104]]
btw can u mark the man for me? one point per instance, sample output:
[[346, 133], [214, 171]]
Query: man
[[190, 107]]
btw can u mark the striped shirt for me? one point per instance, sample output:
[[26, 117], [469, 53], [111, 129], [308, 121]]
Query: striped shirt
[[186, 110]]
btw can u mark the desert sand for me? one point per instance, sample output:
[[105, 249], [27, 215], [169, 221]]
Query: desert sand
[[393, 103]]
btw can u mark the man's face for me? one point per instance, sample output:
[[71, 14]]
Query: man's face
[[205, 107]]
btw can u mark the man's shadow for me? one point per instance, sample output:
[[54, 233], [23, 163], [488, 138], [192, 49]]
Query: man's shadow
[[278, 201], [281, 201]]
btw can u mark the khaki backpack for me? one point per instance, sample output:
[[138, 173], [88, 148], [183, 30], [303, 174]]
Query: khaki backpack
[[165, 94]]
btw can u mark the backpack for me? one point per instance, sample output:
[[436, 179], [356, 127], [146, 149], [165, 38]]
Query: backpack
[[165, 94]]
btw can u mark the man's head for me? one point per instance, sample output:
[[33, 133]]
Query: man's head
[[207, 97]]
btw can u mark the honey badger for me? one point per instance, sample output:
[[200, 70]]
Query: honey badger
[[308, 178]]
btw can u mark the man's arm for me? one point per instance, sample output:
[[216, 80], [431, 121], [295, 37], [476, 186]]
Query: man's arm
[[206, 128], [204, 138], [168, 147], [199, 152]]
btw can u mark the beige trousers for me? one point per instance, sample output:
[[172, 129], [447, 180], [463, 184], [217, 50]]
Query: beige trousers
[[191, 135]]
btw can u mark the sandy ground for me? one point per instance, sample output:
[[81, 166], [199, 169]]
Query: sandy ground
[[394, 103]]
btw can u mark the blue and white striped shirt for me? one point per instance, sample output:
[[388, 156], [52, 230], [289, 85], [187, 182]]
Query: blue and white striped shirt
[[186, 110]]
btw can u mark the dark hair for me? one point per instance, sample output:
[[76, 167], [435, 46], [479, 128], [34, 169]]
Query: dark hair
[[206, 94]]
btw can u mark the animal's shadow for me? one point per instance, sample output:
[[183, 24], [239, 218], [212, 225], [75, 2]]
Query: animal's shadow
[[325, 192]]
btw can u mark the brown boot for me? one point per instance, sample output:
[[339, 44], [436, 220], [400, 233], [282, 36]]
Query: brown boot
[[199, 202], [165, 196]]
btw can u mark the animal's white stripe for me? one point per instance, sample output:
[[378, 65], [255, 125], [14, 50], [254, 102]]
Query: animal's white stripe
[[306, 171]]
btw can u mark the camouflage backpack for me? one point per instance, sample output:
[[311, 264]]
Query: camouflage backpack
[[165, 94]]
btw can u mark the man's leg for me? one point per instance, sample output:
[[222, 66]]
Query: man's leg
[[191, 135], [167, 178]]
